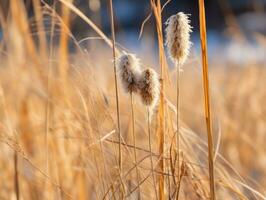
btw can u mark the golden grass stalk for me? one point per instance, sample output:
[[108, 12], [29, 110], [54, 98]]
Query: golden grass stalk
[[150, 148], [203, 38], [16, 179], [116, 88], [63, 46], [156, 7]]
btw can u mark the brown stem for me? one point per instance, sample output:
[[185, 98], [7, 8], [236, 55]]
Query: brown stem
[[16, 178]]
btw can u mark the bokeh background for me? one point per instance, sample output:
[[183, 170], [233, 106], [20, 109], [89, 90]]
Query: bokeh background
[[234, 26]]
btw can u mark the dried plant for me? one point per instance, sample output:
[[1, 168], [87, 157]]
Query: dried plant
[[161, 116], [178, 43], [205, 74], [80, 128], [129, 71], [149, 89]]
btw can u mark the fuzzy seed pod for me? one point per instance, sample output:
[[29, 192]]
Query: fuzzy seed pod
[[178, 37], [129, 71], [149, 87]]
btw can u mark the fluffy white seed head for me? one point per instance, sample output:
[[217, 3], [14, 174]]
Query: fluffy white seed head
[[149, 88], [129, 71], [178, 37]]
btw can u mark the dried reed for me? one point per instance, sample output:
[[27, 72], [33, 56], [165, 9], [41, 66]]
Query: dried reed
[[156, 8], [203, 38]]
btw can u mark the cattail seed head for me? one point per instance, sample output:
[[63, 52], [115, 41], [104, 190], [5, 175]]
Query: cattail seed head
[[129, 71], [178, 37], [149, 87]]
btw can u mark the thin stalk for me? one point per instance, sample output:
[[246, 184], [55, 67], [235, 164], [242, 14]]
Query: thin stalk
[[179, 184], [203, 37], [116, 96], [16, 179], [134, 143], [152, 169], [116, 88], [177, 120]]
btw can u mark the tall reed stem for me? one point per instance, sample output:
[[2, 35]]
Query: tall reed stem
[[150, 148], [116, 88], [203, 37], [134, 141], [156, 7]]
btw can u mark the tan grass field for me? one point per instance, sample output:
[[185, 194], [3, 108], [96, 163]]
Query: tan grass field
[[58, 121]]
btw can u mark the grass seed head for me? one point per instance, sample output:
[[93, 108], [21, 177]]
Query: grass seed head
[[129, 71], [149, 87], [178, 37]]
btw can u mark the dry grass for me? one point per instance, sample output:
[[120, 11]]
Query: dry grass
[[205, 71], [161, 130], [58, 114]]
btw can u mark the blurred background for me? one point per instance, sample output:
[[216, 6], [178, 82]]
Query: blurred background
[[235, 27]]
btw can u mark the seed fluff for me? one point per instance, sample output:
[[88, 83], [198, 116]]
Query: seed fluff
[[129, 71], [149, 88], [178, 37]]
